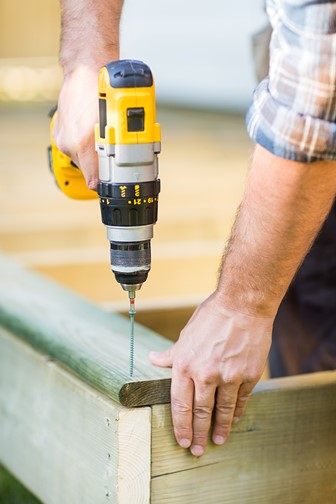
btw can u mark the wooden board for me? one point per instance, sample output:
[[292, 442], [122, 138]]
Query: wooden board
[[65, 441], [90, 342], [283, 450]]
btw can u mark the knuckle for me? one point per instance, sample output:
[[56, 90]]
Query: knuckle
[[243, 399], [225, 410], [208, 377], [251, 378], [183, 366], [232, 379], [202, 412], [251, 375], [180, 408]]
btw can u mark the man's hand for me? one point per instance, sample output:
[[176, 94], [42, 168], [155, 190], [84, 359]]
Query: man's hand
[[217, 361], [77, 114], [222, 351]]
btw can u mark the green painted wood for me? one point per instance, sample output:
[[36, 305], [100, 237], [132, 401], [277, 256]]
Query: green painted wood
[[64, 440], [90, 342]]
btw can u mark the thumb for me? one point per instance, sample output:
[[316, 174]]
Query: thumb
[[162, 359]]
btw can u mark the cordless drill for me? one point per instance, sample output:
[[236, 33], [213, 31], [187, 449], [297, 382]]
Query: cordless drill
[[127, 139], [127, 143]]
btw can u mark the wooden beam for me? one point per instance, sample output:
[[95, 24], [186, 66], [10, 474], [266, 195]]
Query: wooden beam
[[90, 342], [65, 441], [283, 450]]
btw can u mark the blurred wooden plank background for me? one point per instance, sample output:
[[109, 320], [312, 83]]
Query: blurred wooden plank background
[[202, 167], [29, 28]]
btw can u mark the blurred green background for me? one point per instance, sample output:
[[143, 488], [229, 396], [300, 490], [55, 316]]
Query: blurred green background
[[12, 492]]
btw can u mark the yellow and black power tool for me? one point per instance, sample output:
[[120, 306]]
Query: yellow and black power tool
[[128, 140], [127, 143]]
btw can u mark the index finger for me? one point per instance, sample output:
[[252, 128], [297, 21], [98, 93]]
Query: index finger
[[88, 163]]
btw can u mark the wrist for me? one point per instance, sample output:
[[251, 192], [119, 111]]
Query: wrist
[[86, 62], [246, 301]]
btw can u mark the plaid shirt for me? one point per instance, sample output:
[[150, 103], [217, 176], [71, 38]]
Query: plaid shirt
[[293, 114]]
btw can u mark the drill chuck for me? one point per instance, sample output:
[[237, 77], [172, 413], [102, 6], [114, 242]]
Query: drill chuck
[[130, 263]]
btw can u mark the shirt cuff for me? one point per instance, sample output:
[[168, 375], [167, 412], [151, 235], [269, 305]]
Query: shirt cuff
[[286, 133]]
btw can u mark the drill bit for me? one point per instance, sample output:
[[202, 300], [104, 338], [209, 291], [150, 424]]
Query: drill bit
[[132, 312]]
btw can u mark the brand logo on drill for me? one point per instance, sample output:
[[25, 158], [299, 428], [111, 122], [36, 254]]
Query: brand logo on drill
[[137, 190]]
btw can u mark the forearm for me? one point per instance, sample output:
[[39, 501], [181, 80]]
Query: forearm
[[284, 206], [90, 32], [89, 40]]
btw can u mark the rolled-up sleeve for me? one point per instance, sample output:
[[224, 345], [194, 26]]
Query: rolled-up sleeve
[[293, 113]]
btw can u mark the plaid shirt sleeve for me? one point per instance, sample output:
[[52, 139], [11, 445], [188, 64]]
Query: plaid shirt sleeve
[[293, 112]]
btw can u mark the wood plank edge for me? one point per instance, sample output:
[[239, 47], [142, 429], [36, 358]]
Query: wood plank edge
[[145, 393], [134, 465], [294, 382]]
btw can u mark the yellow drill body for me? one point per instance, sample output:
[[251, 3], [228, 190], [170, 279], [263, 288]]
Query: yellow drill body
[[68, 176]]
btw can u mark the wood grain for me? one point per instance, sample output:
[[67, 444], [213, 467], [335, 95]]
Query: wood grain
[[90, 342], [283, 450], [65, 441]]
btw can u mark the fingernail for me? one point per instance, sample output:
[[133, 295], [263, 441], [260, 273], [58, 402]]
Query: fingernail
[[154, 354], [219, 440], [236, 419], [197, 450], [185, 443]]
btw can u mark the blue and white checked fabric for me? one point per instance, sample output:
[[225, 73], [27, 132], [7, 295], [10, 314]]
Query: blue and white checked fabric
[[293, 114]]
